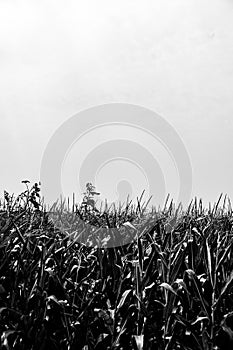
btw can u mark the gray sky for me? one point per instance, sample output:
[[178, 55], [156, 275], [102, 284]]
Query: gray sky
[[174, 57]]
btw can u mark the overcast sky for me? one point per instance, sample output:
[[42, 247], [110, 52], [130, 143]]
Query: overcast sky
[[174, 57]]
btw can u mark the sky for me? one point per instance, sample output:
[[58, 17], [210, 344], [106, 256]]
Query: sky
[[174, 57]]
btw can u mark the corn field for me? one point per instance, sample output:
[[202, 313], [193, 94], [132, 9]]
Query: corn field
[[169, 287]]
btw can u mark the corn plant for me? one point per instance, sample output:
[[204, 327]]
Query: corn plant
[[170, 287]]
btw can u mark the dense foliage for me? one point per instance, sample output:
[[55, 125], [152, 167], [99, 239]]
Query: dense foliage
[[169, 287]]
